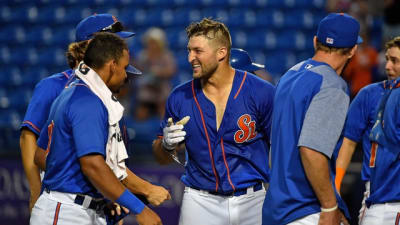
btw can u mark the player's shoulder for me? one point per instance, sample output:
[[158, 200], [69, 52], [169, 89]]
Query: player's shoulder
[[257, 82], [56, 79], [373, 87], [183, 89], [330, 79], [82, 95]]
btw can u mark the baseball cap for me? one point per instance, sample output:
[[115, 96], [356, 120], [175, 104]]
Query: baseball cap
[[241, 60], [339, 30], [99, 23]]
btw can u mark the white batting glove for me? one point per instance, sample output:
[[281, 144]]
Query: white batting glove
[[173, 134]]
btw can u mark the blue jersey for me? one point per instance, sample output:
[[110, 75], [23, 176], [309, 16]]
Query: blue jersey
[[45, 92], [77, 126], [385, 151], [310, 107], [236, 155], [361, 118]]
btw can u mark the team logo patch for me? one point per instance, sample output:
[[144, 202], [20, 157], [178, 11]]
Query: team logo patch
[[247, 129], [329, 40]]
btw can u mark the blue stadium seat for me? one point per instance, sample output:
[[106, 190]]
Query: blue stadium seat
[[24, 56], [239, 38], [5, 55], [52, 56]]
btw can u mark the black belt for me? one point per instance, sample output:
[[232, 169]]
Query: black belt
[[237, 192], [95, 204]]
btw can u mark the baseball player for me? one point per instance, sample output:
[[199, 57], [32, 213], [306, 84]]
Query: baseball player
[[310, 108], [226, 137], [82, 135], [361, 118], [49, 88], [241, 60], [384, 163]]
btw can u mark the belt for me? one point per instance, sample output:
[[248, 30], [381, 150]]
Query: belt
[[85, 201], [237, 192], [95, 204]]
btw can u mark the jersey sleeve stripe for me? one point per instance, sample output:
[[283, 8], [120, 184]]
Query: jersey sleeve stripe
[[208, 139], [241, 84], [32, 125], [226, 165]]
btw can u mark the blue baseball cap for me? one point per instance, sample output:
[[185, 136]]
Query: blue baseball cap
[[339, 30], [99, 23], [241, 60]]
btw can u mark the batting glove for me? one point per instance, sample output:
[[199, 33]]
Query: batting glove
[[173, 134]]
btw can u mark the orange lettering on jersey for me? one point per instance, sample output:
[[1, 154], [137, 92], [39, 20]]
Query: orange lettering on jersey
[[374, 148], [50, 134], [247, 129]]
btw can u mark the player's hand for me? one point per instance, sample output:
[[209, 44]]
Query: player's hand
[[330, 218], [157, 195], [148, 217], [173, 133]]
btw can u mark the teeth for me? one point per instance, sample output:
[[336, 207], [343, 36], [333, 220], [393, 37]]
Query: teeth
[[195, 66]]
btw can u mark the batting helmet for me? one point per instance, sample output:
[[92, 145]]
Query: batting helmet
[[241, 60]]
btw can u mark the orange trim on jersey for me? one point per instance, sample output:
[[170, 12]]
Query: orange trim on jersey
[[50, 134], [397, 219], [208, 139], [241, 84], [226, 165], [56, 213], [374, 148], [33, 125], [65, 74]]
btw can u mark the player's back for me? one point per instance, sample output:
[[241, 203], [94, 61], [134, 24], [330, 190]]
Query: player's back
[[44, 94], [290, 195], [63, 172]]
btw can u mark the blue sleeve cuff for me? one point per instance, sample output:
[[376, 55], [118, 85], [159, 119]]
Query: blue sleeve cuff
[[130, 201]]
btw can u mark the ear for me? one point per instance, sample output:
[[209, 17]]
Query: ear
[[315, 42], [353, 51], [222, 53]]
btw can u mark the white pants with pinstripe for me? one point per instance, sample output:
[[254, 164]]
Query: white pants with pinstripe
[[56, 208], [387, 214], [201, 207]]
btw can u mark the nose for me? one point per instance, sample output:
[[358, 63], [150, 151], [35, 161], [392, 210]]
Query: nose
[[190, 56], [388, 64]]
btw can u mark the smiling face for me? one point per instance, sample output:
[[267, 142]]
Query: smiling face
[[392, 63], [118, 73], [202, 55]]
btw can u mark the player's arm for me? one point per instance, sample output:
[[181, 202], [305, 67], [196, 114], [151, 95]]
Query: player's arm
[[322, 126], [40, 158], [316, 167], [108, 184], [342, 162], [154, 194], [28, 147], [160, 153]]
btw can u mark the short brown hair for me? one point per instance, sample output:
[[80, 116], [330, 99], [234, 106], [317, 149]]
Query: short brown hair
[[212, 30], [76, 52], [104, 47], [395, 42], [325, 48]]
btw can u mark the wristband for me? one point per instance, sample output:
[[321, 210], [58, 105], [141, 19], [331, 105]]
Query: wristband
[[329, 209], [339, 177], [130, 201]]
